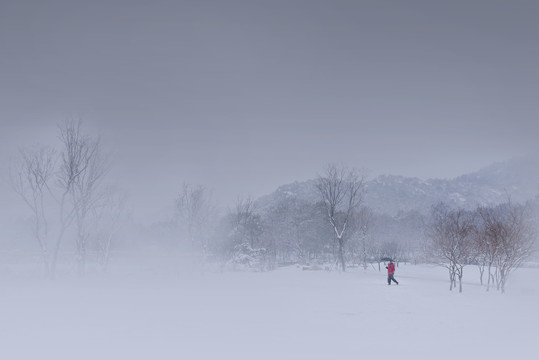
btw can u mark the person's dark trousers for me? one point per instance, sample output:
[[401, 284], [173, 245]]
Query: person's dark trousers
[[391, 278]]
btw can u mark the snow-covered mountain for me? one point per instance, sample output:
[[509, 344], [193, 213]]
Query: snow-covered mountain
[[389, 194]]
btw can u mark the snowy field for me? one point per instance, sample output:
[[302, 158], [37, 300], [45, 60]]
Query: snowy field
[[284, 314]]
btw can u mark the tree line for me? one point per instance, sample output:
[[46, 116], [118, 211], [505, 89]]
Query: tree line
[[496, 239], [336, 230], [70, 203]]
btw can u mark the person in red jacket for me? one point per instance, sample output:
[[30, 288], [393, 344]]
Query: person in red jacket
[[390, 272]]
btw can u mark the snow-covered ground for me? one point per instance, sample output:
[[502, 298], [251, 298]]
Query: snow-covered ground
[[284, 314]]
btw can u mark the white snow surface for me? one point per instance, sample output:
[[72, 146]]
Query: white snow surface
[[282, 314]]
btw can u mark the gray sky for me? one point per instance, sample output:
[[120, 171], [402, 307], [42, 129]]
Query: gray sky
[[243, 96]]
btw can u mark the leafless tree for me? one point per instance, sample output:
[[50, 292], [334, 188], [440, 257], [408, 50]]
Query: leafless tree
[[342, 192], [247, 222], [195, 209], [30, 179], [451, 234], [360, 245], [390, 250], [106, 216], [365, 218], [61, 189], [82, 169], [289, 230], [508, 238], [281, 233], [486, 246], [245, 230]]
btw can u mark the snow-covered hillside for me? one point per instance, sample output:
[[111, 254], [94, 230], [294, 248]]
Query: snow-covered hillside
[[287, 314], [389, 194]]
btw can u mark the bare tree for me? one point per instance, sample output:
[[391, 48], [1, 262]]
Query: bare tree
[[390, 250], [195, 208], [365, 217], [247, 222], [342, 192], [290, 229], [82, 169], [486, 246], [244, 234], [451, 234], [507, 239], [281, 235], [30, 179], [106, 216], [61, 189]]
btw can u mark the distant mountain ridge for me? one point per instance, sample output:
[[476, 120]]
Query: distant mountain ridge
[[390, 194]]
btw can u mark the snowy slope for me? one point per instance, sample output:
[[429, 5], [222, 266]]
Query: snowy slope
[[389, 194], [285, 314]]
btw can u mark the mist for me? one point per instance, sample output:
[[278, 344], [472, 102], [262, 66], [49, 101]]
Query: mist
[[165, 170], [272, 92]]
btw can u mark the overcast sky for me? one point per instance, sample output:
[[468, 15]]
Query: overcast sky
[[244, 96]]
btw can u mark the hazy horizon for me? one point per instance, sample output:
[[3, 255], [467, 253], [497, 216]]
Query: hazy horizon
[[245, 96]]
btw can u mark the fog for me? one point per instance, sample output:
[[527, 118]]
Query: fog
[[234, 99], [245, 96]]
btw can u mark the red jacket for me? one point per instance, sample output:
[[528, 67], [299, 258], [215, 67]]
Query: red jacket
[[391, 268]]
